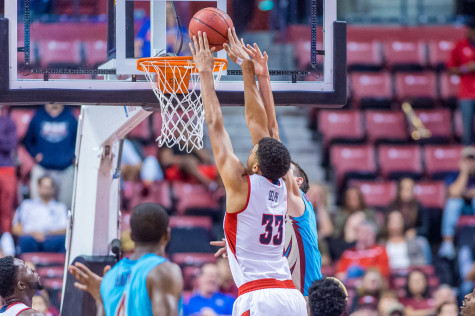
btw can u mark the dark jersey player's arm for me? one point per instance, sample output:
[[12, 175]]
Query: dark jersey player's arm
[[165, 286]]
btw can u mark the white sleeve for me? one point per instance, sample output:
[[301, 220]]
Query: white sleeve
[[16, 217], [62, 217]]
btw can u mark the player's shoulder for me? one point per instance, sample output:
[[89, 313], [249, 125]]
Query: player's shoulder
[[30, 312], [165, 271]]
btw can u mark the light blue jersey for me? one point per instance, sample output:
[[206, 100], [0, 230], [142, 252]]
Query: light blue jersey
[[113, 285], [301, 248]]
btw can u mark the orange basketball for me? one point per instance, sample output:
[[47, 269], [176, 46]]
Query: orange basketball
[[215, 23]]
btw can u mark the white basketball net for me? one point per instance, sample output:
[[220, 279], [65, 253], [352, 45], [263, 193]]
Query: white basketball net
[[182, 113]]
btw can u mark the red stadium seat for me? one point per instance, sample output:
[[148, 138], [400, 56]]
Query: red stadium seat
[[439, 52], [51, 272], [44, 259], [385, 125], [397, 161], [303, 50], [371, 89], [353, 160], [340, 125], [416, 87], [190, 222], [377, 193], [193, 196], [190, 234], [431, 194], [438, 121], [449, 87], [141, 131], [157, 192], [53, 284], [53, 53], [22, 118], [364, 55], [405, 55], [193, 259], [440, 160], [96, 52]]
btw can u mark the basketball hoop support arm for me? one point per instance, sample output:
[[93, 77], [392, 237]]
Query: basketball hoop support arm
[[94, 218]]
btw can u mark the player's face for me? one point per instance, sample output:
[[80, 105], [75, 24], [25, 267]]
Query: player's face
[[252, 165], [28, 276], [468, 305]]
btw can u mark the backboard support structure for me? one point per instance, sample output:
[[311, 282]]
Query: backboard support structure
[[106, 89]]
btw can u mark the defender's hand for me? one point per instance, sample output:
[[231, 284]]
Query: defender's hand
[[222, 251], [236, 51], [202, 54], [258, 59], [88, 281]]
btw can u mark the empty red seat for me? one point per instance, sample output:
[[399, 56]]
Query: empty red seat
[[22, 118], [416, 85], [193, 259], [96, 52], [449, 86], [438, 121], [367, 88], [190, 234], [51, 272], [439, 52], [303, 53], [355, 159], [53, 52], [340, 125], [377, 193], [440, 160], [400, 54], [193, 196], [431, 194], [364, 55], [157, 192], [43, 259], [396, 161], [141, 131], [385, 125]]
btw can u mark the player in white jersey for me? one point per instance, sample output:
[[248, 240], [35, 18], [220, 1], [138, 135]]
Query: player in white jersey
[[255, 196], [18, 284]]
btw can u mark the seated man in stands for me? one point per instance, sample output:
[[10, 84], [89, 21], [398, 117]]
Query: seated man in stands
[[364, 255], [207, 300], [461, 191], [41, 223]]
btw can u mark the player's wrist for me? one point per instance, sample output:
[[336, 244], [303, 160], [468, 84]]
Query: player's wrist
[[247, 64]]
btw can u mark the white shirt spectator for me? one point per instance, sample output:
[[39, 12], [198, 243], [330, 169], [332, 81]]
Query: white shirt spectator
[[398, 254], [36, 216]]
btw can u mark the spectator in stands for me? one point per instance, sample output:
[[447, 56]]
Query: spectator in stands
[[416, 219], [51, 141], [142, 41], [207, 300], [386, 301], [462, 63], [365, 312], [418, 301], [8, 181], [364, 255], [444, 294], [461, 194], [447, 309], [226, 281], [196, 166], [319, 197], [404, 250], [468, 306], [41, 223], [41, 304], [369, 292], [354, 202]]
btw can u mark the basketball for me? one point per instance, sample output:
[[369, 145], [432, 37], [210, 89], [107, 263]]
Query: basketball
[[215, 23]]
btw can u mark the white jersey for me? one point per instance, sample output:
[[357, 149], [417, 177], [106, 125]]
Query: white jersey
[[255, 235], [14, 309]]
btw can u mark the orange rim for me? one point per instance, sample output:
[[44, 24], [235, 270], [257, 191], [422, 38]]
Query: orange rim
[[179, 61]]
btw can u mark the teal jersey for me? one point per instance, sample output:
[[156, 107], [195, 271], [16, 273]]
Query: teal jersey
[[301, 248], [113, 285]]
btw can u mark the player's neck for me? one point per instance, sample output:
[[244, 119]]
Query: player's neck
[[143, 249], [18, 298]]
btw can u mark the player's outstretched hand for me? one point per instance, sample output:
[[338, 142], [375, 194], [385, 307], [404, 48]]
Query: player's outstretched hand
[[237, 50], [259, 60], [202, 54], [222, 250], [87, 280]]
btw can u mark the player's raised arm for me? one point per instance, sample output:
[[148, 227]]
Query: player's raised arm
[[165, 286], [256, 118], [230, 168]]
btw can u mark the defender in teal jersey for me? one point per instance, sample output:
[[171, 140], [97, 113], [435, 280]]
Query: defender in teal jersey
[[146, 284]]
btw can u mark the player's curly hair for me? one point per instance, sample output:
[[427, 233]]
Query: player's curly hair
[[148, 223], [327, 297], [8, 276], [273, 158]]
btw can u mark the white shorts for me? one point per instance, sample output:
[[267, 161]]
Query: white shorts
[[272, 302]]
